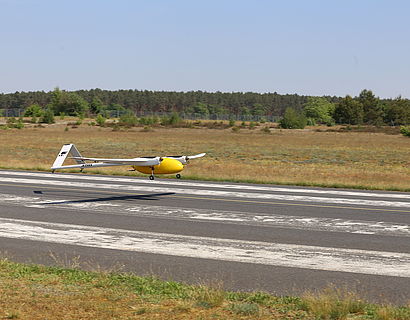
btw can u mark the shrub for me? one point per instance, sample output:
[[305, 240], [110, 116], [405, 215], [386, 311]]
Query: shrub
[[149, 120], [188, 124], [129, 119], [265, 130], [214, 125], [164, 121], [405, 131], [144, 120], [293, 120], [235, 129], [319, 109], [155, 120], [100, 120], [14, 123], [310, 122], [173, 120], [48, 116], [11, 120], [34, 110], [19, 124], [231, 123]]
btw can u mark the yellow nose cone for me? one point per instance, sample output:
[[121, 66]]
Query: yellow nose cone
[[167, 166]]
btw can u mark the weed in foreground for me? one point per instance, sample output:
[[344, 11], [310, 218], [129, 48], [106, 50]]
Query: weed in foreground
[[183, 307], [390, 312], [244, 308], [141, 311], [12, 315], [258, 297], [65, 261], [332, 303], [209, 296]]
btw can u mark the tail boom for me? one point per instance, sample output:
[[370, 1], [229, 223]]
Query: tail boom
[[86, 165]]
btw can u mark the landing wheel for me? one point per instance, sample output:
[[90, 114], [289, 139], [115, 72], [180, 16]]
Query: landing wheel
[[151, 177], [178, 176]]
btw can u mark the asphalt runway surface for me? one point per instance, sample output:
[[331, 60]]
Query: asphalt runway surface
[[280, 239]]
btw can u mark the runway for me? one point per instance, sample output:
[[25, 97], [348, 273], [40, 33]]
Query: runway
[[280, 239]]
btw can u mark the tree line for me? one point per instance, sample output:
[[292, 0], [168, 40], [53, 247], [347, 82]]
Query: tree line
[[246, 103], [365, 108], [295, 110]]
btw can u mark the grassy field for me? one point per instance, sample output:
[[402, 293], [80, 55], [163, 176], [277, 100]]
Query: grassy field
[[306, 157], [37, 292], [371, 160]]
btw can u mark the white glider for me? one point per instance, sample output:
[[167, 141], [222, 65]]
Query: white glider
[[147, 165]]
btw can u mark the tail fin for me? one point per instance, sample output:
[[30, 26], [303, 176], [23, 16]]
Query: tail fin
[[62, 155]]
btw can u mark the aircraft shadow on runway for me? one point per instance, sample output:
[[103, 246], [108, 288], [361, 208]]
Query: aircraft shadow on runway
[[151, 196]]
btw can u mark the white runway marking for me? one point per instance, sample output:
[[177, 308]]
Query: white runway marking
[[235, 217], [274, 254], [212, 185], [214, 193]]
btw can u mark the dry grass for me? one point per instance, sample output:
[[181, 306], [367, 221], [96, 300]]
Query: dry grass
[[333, 303], [37, 292], [305, 157]]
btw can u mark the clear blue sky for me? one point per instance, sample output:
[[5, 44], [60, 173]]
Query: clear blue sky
[[313, 47]]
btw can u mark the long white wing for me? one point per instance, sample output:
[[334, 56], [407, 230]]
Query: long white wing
[[196, 156], [134, 161], [184, 159]]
